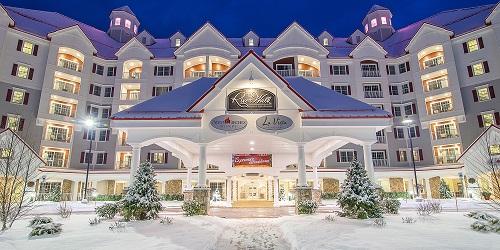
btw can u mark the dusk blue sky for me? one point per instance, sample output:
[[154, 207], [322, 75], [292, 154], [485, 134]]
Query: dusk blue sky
[[234, 18]]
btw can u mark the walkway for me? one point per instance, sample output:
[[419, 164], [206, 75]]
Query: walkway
[[250, 212]]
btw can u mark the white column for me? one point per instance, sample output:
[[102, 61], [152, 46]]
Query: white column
[[202, 166], [428, 188], [367, 154], [301, 165], [276, 192], [74, 190], [189, 181], [136, 159], [229, 191], [316, 179]]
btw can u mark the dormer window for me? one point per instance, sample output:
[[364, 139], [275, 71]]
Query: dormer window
[[374, 22], [127, 23], [250, 42], [366, 28], [325, 41], [177, 42], [383, 20], [118, 21], [135, 29]]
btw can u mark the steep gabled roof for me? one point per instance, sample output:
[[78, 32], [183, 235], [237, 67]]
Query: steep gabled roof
[[126, 9], [8, 130], [376, 7]]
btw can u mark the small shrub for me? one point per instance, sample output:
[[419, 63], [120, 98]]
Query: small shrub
[[484, 222], [397, 195], [94, 221], [379, 222], [330, 218], [481, 226], [307, 207], [108, 210], [192, 208], [39, 220], [329, 195], [390, 206], [424, 209], [484, 216], [362, 214], [64, 210], [117, 226], [408, 220], [54, 195], [435, 206], [172, 197], [167, 220], [46, 229], [108, 197]]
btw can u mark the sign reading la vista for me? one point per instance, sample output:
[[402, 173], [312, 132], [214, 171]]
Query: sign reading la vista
[[229, 123], [251, 99], [273, 123], [252, 160]]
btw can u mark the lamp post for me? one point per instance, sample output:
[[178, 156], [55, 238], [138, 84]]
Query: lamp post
[[409, 122], [90, 124]]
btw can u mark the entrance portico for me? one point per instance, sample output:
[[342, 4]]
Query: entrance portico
[[253, 125]]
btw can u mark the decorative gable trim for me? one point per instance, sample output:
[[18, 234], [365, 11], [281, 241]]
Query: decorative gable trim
[[421, 30], [72, 29], [4, 12], [206, 26], [133, 42], [368, 41], [493, 14]]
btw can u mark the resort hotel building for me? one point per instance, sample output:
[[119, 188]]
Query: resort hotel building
[[250, 118]]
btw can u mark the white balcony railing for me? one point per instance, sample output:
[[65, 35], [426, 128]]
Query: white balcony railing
[[64, 86], [58, 162], [437, 84], [67, 64], [285, 72], [380, 163], [374, 94], [307, 73], [123, 164], [370, 73], [131, 96], [60, 109], [131, 75], [441, 107], [444, 133], [217, 73], [446, 159], [57, 137], [433, 62]]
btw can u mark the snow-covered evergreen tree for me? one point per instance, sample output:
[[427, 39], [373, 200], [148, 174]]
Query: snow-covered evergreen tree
[[359, 197], [444, 190], [142, 201]]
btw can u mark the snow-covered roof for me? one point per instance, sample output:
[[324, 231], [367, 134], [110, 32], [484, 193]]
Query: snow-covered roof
[[126, 9], [376, 7], [41, 23], [176, 104]]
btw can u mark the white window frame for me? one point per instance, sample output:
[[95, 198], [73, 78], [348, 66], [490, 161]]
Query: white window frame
[[128, 24], [26, 49], [18, 72], [12, 98], [477, 69], [373, 22], [383, 20], [346, 153], [250, 42], [479, 88], [118, 21]]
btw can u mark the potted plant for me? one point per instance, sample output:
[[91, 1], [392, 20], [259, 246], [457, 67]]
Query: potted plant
[[486, 194]]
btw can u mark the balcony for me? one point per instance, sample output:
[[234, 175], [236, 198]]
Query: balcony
[[370, 73], [437, 84], [123, 164], [285, 72], [67, 64], [57, 162], [61, 109], [374, 94], [380, 163], [130, 96], [381, 139], [444, 133], [65, 86], [58, 137], [436, 61], [446, 159], [131, 75], [441, 107], [308, 73]]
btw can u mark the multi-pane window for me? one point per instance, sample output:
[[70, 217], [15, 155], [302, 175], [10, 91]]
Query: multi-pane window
[[346, 155], [127, 23], [477, 69], [340, 69], [373, 22], [108, 91], [117, 21], [325, 41], [22, 71], [13, 121], [89, 134], [495, 149], [406, 87], [86, 157], [372, 91], [160, 90], [438, 83], [17, 96], [5, 153], [396, 110], [98, 69], [343, 89], [54, 158], [413, 131], [101, 158], [409, 109], [60, 109], [93, 111], [393, 90], [472, 45], [369, 70], [404, 67], [111, 71], [104, 135], [158, 157], [391, 69], [417, 154], [106, 112], [399, 133], [163, 70], [488, 119], [441, 106], [401, 154], [57, 134], [250, 42], [96, 90], [27, 47], [483, 93], [177, 42], [383, 20]]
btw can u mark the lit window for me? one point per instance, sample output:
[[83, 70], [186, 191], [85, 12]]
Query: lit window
[[383, 20], [118, 21], [27, 48], [477, 69], [250, 42], [17, 96], [483, 93], [325, 41], [495, 149], [177, 42], [22, 71], [374, 22], [158, 158], [488, 119], [135, 29], [127, 23], [366, 28], [346, 156], [416, 154], [5, 153], [13, 122], [402, 155], [472, 45], [399, 133]]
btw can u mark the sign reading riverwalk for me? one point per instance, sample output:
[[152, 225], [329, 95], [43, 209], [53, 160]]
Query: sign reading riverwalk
[[251, 99], [274, 123], [229, 123], [252, 160]]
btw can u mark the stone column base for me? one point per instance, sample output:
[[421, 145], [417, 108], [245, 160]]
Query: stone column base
[[316, 195], [188, 195], [202, 195], [302, 194]]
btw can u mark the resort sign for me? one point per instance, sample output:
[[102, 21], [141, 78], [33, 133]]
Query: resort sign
[[228, 123], [274, 123], [251, 99], [252, 160]]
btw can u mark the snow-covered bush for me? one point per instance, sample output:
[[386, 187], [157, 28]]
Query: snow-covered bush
[[54, 195], [397, 195], [390, 206], [359, 198], [408, 220], [330, 218], [108, 210], [484, 222], [167, 220], [46, 229], [444, 190], [329, 195], [484, 216], [435, 206], [172, 197], [108, 197], [94, 221], [481, 226], [192, 208], [142, 201], [379, 222], [307, 207], [424, 209], [39, 220], [64, 210]]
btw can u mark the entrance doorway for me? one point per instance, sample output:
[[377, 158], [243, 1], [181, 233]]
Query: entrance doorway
[[253, 192]]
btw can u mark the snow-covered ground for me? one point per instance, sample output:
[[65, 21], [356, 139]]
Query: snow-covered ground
[[447, 230]]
